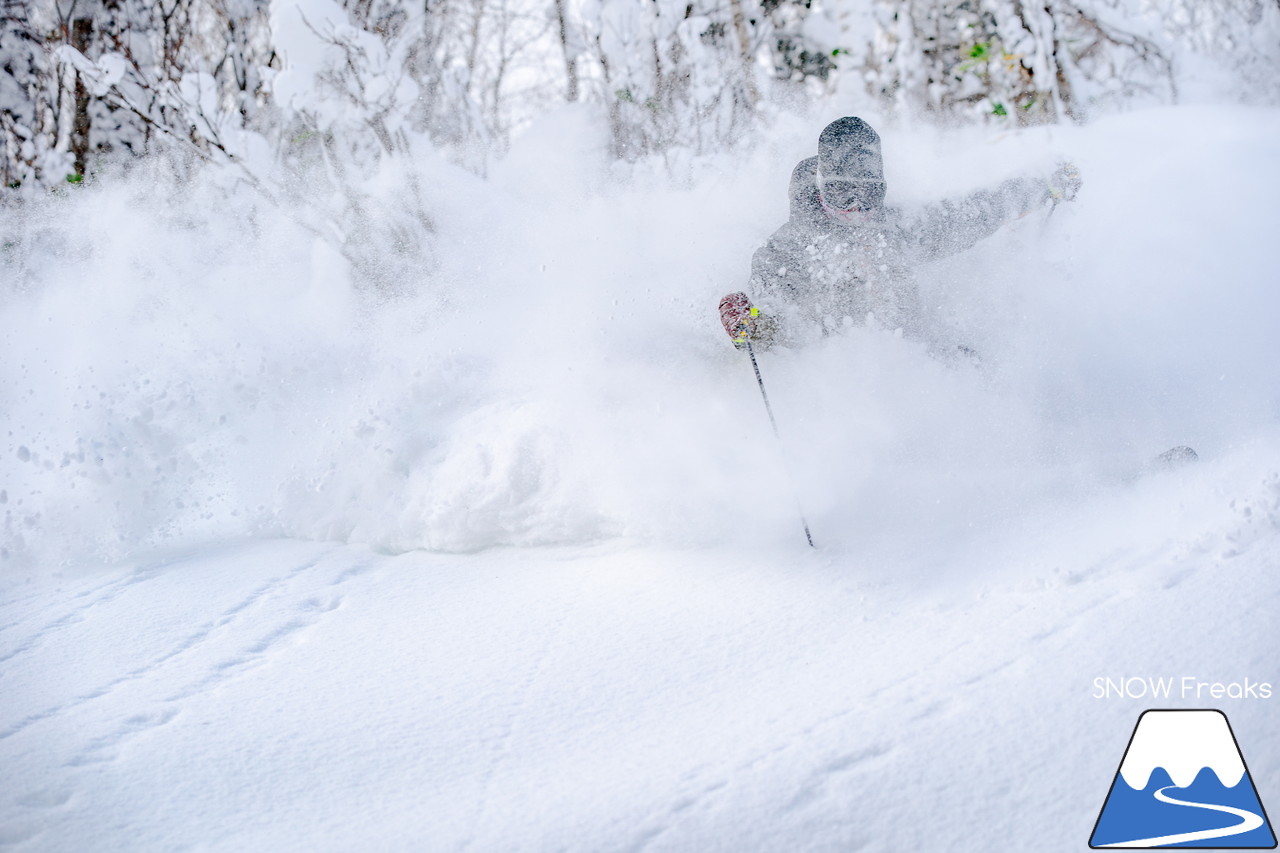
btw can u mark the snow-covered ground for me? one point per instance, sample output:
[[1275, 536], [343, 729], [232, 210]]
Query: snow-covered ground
[[516, 564]]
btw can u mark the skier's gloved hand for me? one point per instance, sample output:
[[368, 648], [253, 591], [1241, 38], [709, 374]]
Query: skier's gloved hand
[[744, 323], [1065, 182]]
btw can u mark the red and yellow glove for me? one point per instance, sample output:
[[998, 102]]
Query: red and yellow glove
[[741, 319]]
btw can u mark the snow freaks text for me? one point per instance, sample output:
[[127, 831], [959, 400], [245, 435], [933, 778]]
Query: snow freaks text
[[1183, 687]]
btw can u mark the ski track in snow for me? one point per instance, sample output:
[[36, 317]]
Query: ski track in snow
[[243, 625], [109, 592], [309, 610], [186, 645]]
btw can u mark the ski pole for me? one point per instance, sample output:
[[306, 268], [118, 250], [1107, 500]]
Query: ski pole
[[774, 422]]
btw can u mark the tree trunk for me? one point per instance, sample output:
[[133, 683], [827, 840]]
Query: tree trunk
[[476, 23], [571, 66], [744, 50], [81, 33]]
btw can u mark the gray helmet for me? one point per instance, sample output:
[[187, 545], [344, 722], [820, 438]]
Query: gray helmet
[[850, 168]]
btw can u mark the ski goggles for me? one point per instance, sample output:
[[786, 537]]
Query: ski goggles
[[841, 195]]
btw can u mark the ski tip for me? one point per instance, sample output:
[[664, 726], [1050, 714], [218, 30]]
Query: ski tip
[[1175, 457]]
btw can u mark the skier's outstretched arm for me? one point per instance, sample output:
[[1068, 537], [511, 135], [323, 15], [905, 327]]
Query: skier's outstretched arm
[[952, 226]]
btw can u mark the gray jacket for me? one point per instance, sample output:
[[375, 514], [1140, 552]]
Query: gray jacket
[[816, 271]]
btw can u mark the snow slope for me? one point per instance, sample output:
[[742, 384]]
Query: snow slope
[[513, 564]]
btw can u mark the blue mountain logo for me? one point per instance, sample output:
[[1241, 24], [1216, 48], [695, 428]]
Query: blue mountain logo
[[1183, 783]]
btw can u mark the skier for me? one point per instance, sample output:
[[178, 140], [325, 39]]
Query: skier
[[843, 258]]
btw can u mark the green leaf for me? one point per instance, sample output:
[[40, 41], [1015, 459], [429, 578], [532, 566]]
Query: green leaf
[[75, 179], [980, 50], [1000, 110]]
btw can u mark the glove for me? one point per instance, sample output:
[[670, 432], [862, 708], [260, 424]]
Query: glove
[[1065, 182], [744, 323]]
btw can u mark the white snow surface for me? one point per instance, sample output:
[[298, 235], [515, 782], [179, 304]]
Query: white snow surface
[[515, 564], [1183, 743]]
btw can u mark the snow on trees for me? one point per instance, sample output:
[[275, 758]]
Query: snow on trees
[[259, 83]]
